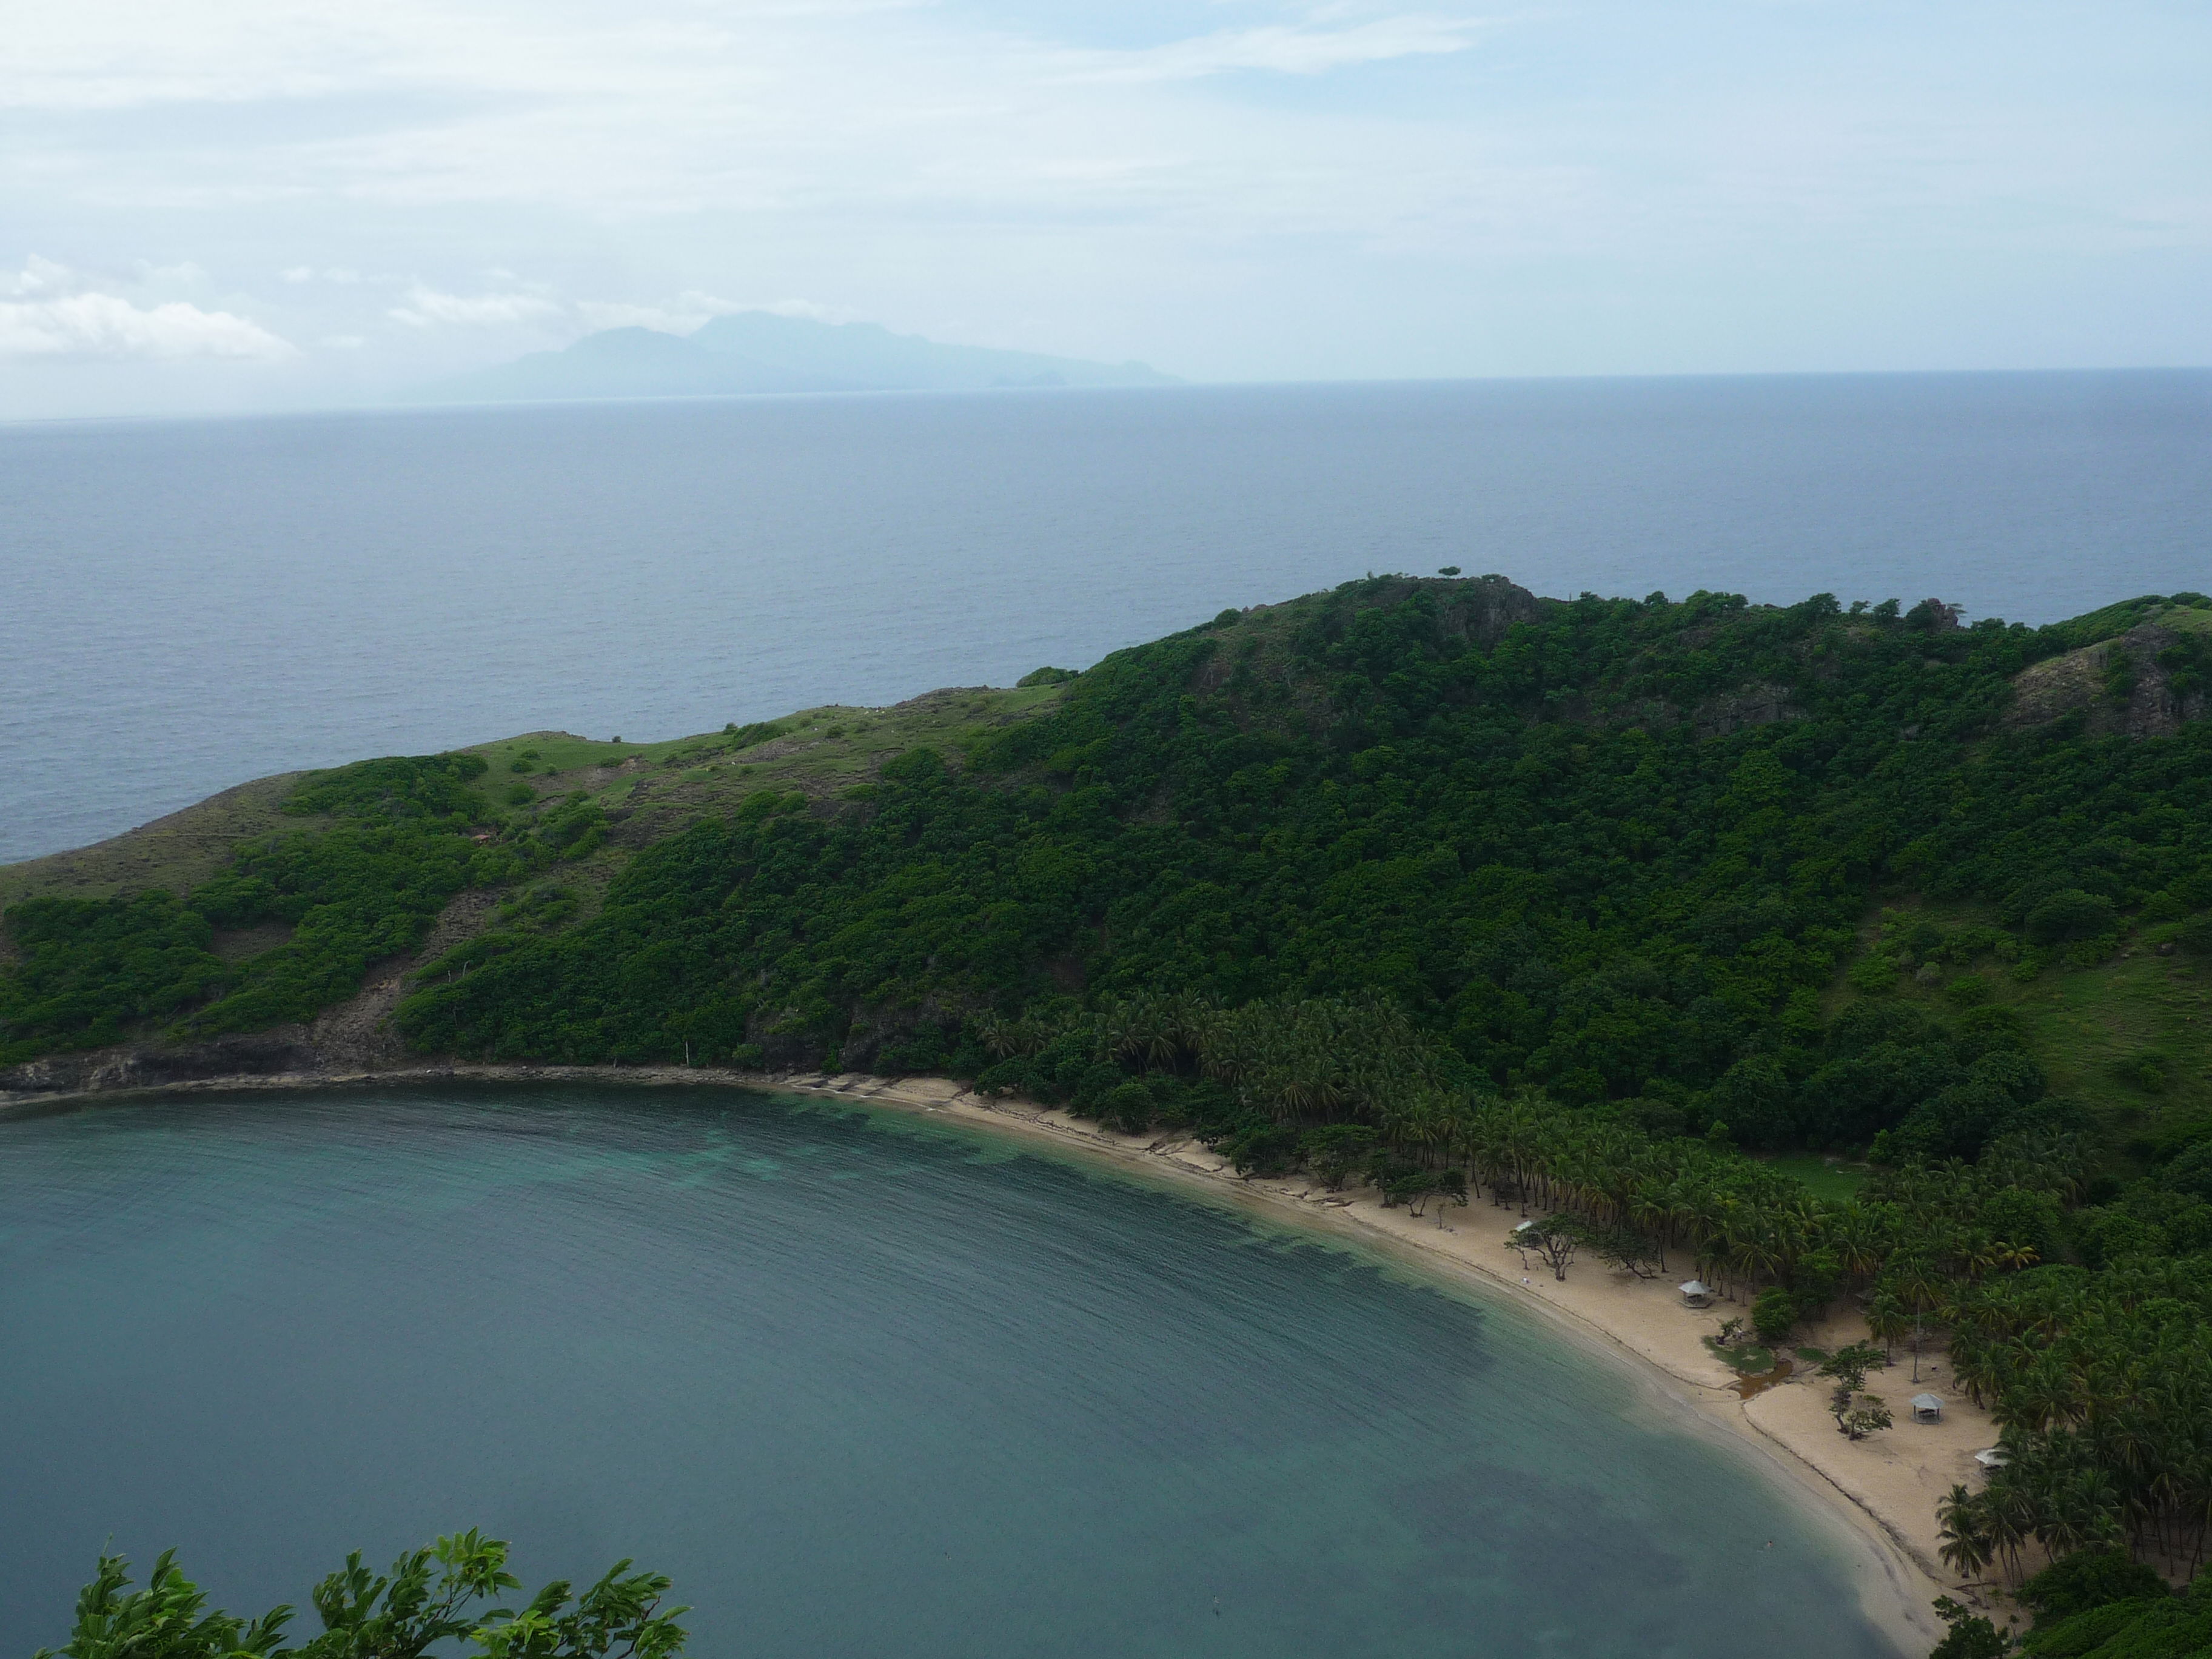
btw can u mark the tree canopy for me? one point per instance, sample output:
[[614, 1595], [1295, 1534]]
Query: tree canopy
[[431, 1599]]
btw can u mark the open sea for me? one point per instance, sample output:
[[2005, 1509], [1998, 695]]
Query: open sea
[[867, 1386], [185, 605]]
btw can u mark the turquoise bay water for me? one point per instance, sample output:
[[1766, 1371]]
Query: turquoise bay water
[[864, 1385]]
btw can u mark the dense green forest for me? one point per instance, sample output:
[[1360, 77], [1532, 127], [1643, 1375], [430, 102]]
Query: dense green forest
[[1597, 904]]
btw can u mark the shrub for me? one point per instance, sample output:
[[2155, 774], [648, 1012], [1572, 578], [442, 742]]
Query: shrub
[[1814, 1282], [397, 786], [1334, 1151], [2070, 914], [1127, 1107], [1971, 1635], [1008, 1077], [1774, 1315], [2146, 1072], [1872, 976], [2086, 1579], [2190, 1174], [1258, 1146]]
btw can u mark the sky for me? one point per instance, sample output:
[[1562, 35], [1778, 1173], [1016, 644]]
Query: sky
[[229, 204]]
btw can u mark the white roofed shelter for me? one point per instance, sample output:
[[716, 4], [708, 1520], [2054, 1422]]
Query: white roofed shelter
[[1697, 1294], [1927, 1409]]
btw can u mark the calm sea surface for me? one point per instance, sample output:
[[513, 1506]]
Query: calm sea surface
[[185, 606], [863, 1386]]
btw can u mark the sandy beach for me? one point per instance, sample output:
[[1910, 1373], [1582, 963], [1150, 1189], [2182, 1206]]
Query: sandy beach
[[1878, 1494]]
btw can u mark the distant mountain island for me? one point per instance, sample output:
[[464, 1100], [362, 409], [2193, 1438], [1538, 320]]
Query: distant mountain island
[[760, 351]]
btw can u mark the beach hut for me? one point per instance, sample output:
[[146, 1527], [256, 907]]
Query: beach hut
[[1695, 1294], [1991, 1459], [1927, 1409]]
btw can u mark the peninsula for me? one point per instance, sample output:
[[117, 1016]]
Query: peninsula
[[1852, 962]]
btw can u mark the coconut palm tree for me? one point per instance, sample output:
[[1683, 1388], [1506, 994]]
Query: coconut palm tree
[[1964, 1528], [1888, 1320]]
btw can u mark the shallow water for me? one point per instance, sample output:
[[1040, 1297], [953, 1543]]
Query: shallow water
[[865, 1385], [191, 603]]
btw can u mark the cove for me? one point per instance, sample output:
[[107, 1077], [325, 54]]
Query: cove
[[863, 1385]]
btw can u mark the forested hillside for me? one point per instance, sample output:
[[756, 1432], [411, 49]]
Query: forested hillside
[[1617, 851], [1432, 879], [1824, 878]]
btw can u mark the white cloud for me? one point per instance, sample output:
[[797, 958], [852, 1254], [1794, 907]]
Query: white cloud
[[677, 316], [427, 308], [297, 274], [692, 308], [184, 270], [1283, 49], [73, 320], [40, 276], [807, 308], [540, 305]]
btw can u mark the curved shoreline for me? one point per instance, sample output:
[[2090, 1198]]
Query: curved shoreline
[[1894, 1567]]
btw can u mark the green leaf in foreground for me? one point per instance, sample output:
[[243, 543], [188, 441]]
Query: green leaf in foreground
[[431, 1598]]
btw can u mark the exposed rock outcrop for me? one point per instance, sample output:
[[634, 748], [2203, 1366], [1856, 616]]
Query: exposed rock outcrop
[[1756, 704], [2118, 687], [261, 1053]]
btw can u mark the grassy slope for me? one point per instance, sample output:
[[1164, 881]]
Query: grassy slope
[[818, 752], [178, 852], [654, 789], [2087, 1026], [2091, 1028], [1833, 1178]]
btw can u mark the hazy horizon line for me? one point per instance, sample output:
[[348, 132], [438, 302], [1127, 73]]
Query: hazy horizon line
[[416, 404]]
